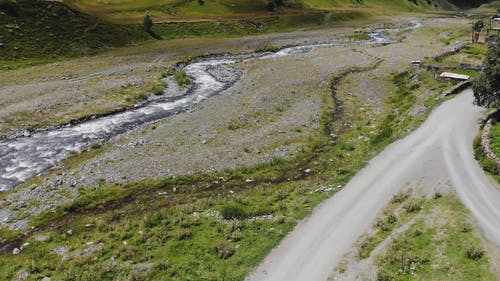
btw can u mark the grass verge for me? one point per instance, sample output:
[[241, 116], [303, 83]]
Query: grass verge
[[439, 246]]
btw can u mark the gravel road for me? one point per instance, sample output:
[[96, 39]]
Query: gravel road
[[437, 156]]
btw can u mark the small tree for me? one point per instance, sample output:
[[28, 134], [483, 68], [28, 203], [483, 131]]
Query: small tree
[[148, 24], [486, 86], [478, 26], [271, 6]]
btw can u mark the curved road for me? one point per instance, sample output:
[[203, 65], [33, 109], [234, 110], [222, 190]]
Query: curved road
[[437, 156]]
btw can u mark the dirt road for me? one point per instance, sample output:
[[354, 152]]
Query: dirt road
[[437, 156]]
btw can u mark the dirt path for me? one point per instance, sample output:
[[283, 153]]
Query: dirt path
[[437, 156]]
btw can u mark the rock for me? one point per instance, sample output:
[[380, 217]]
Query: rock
[[16, 251], [307, 171], [142, 267], [69, 232], [61, 251], [26, 133], [46, 278], [22, 275], [41, 238]]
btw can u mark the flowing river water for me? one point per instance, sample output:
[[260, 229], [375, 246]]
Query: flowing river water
[[27, 156]]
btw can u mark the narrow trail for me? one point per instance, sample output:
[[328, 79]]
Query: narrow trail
[[436, 156]]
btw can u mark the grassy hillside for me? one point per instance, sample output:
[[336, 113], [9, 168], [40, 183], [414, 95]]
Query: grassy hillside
[[167, 10], [50, 29]]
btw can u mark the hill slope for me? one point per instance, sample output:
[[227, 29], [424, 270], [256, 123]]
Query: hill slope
[[41, 28], [166, 10]]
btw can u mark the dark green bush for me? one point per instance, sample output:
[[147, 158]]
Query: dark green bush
[[223, 249], [233, 211], [474, 252]]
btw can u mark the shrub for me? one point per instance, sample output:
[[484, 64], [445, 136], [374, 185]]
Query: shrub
[[183, 234], [167, 72], [223, 249], [267, 48], [181, 78], [233, 211], [400, 197], [474, 252], [158, 90], [140, 97], [412, 206]]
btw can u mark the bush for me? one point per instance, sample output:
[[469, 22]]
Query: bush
[[183, 234], [223, 249], [168, 72], [400, 197], [233, 211], [141, 97], [474, 252], [412, 206], [158, 90], [267, 48], [181, 78]]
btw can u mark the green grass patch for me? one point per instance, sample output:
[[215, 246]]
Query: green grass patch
[[495, 138], [400, 210], [359, 36], [439, 246]]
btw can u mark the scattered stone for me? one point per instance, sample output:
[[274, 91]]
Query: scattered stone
[[263, 217], [307, 171], [212, 213], [60, 251], [46, 278], [69, 232], [16, 251], [142, 267], [41, 238], [22, 275], [326, 188], [249, 180]]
